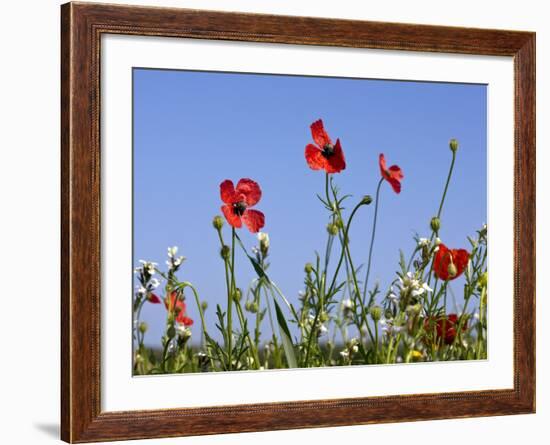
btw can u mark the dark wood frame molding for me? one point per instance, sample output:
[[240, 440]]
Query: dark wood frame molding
[[82, 25]]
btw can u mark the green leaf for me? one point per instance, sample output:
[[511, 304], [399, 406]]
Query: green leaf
[[285, 336]]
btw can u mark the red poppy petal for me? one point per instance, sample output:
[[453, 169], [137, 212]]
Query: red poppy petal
[[254, 220], [232, 218], [395, 185], [460, 259], [153, 299], [319, 134], [441, 262], [227, 192], [337, 162], [186, 321], [315, 158], [382, 164], [250, 189], [396, 172]]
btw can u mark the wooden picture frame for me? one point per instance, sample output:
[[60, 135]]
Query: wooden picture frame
[[82, 25]]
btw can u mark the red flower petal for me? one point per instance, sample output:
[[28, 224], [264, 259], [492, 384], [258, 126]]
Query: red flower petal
[[445, 327], [315, 158], [227, 192], [184, 320], [153, 299], [319, 134], [382, 164], [393, 175], [443, 258], [395, 185], [396, 172], [232, 218], [250, 189], [336, 162], [254, 220]]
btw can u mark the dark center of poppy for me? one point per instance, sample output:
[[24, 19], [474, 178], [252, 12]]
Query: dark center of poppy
[[239, 208], [328, 150]]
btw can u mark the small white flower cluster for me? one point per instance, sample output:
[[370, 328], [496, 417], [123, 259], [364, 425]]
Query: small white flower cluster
[[146, 267], [172, 261], [423, 242], [389, 327], [352, 348], [150, 286], [183, 331], [321, 328], [347, 308], [410, 284]]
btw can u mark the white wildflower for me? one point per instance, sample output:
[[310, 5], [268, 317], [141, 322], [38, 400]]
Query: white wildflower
[[422, 242], [263, 237], [344, 354], [172, 251]]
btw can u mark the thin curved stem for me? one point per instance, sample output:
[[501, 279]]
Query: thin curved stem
[[372, 241]]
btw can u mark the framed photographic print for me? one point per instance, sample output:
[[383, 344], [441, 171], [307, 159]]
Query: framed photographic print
[[274, 222]]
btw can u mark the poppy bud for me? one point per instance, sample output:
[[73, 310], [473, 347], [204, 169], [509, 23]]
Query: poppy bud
[[375, 313], [204, 306], [367, 199], [251, 306], [323, 316], [482, 281], [143, 327], [225, 252], [237, 294], [264, 242], [217, 222], [451, 269], [308, 268], [332, 229], [171, 332], [453, 145], [435, 224]]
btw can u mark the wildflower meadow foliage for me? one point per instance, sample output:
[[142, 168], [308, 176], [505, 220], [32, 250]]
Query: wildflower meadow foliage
[[341, 319]]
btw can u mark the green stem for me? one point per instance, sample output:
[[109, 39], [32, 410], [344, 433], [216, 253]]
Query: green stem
[[446, 185], [372, 241]]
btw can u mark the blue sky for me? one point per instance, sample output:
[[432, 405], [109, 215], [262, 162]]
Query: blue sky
[[192, 130]]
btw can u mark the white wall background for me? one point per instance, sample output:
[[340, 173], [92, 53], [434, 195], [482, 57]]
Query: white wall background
[[29, 219]]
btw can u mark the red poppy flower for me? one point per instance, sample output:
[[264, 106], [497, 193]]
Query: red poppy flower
[[238, 202], [393, 175], [445, 327], [324, 155], [181, 309], [152, 298], [450, 263]]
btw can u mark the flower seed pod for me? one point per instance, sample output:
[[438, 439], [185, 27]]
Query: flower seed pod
[[376, 313], [237, 294], [171, 332], [308, 268], [453, 145], [225, 252], [143, 327], [435, 224], [217, 222], [332, 229], [204, 306], [367, 199]]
